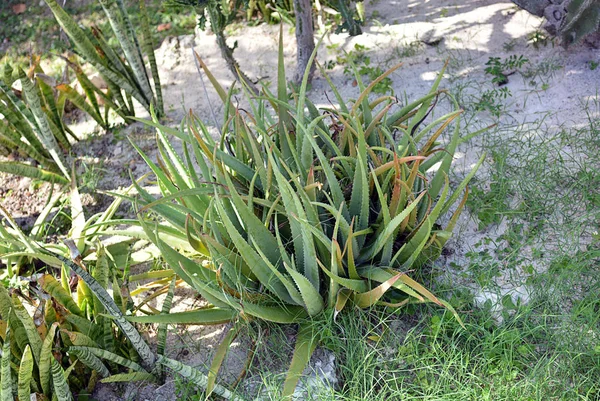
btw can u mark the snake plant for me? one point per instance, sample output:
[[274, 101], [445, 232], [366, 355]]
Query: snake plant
[[124, 79], [32, 126], [297, 211]]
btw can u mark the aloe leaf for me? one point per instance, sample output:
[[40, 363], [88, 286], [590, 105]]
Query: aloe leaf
[[304, 246], [390, 229], [412, 248], [380, 275], [252, 258], [219, 357], [277, 314], [359, 200], [353, 284], [25, 374], [369, 298], [306, 343], [254, 226], [310, 295], [205, 316]]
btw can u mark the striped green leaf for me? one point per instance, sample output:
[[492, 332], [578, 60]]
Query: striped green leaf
[[25, 374], [196, 377], [6, 381]]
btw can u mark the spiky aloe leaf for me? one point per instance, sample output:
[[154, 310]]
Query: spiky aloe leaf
[[196, 377], [306, 343], [206, 316], [369, 298], [25, 374]]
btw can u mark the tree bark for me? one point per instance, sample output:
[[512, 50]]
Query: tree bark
[[227, 52], [304, 38]]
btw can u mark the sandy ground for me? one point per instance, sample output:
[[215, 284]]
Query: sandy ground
[[422, 35]]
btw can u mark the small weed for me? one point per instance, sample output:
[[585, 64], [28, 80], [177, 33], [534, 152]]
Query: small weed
[[509, 45], [492, 100], [92, 174], [500, 69], [408, 50], [538, 38], [594, 65], [362, 62]]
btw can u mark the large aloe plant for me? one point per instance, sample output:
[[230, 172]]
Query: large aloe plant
[[300, 212], [125, 79]]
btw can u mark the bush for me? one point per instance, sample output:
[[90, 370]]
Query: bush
[[297, 212]]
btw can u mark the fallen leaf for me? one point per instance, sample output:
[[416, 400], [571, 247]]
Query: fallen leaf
[[163, 27], [19, 8]]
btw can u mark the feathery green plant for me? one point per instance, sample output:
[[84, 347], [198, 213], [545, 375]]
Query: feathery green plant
[[124, 80], [300, 212]]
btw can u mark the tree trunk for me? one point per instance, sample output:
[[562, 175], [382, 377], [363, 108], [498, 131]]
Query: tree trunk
[[304, 38], [227, 52]]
